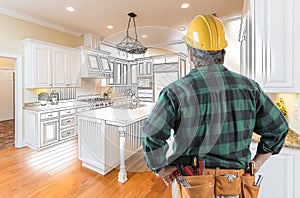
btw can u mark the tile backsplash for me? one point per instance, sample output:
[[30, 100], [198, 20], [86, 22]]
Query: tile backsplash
[[292, 103], [88, 87], [31, 95]]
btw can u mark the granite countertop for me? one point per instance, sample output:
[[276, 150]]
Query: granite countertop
[[292, 139], [59, 106]]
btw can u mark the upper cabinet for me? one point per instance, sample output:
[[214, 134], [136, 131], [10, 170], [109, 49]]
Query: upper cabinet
[[145, 67], [269, 47], [48, 65], [171, 62]]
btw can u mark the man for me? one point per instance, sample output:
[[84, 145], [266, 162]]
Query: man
[[211, 113]]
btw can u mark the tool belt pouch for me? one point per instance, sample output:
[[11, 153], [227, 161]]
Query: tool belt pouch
[[201, 187], [248, 189], [227, 186], [206, 186]]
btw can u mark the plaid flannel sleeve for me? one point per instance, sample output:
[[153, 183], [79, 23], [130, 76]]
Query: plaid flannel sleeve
[[270, 124], [156, 131]]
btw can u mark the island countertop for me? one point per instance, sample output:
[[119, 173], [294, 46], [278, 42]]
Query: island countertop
[[118, 115], [292, 139]]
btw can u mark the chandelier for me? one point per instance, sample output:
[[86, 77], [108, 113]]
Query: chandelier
[[129, 44]]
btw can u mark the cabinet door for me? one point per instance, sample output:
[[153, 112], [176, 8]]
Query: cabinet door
[[278, 175], [42, 65], [145, 68], [133, 74], [60, 66], [49, 131], [73, 74], [125, 74], [117, 73], [273, 42]]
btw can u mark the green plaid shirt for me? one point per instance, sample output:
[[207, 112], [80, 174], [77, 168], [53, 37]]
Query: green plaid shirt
[[212, 113]]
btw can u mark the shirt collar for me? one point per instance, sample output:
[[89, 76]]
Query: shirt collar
[[209, 68]]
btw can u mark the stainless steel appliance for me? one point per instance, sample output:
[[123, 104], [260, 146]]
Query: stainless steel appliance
[[96, 101]]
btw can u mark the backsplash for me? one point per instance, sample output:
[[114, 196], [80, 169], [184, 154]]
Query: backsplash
[[31, 95], [291, 102]]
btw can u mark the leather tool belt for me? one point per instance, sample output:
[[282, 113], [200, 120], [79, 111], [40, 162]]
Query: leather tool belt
[[220, 182]]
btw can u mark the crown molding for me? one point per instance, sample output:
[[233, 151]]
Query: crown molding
[[37, 21]]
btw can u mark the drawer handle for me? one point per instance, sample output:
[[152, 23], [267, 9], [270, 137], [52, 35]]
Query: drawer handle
[[50, 115], [68, 111], [68, 121]]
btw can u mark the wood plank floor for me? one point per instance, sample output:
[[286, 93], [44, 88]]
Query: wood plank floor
[[56, 172]]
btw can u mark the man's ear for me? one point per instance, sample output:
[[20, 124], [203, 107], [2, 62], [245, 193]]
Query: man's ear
[[190, 55]]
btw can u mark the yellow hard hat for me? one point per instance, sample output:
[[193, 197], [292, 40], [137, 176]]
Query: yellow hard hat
[[206, 32]]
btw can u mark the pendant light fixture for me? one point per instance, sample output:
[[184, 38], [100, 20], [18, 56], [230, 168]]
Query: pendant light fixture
[[129, 44]]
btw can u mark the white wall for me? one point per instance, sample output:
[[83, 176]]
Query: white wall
[[232, 57]]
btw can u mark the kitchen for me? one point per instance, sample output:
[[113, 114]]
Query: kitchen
[[13, 44]]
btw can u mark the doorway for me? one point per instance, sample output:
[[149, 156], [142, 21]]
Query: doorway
[[13, 73], [7, 129]]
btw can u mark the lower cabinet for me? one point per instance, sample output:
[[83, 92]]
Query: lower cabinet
[[43, 129], [49, 131], [280, 174]]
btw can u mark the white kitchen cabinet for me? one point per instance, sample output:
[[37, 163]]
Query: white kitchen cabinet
[[269, 47], [133, 73], [66, 67], [280, 174], [45, 128], [124, 73], [49, 65], [145, 67], [49, 131], [41, 128], [74, 75], [38, 68]]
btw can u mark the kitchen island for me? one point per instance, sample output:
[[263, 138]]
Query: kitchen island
[[109, 136]]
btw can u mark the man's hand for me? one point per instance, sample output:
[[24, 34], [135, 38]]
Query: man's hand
[[167, 174], [259, 160]]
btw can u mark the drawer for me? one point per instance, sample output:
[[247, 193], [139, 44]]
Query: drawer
[[67, 133], [53, 114], [67, 121], [81, 109], [67, 112], [146, 99], [145, 91], [143, 95]]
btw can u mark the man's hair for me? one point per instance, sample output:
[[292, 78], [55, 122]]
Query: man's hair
[[203, 57]]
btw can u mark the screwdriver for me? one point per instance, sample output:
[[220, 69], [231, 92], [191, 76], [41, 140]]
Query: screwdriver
[[251, 166], [195, 165]]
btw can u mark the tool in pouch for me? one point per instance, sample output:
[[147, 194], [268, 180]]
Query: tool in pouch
[[180, 179]]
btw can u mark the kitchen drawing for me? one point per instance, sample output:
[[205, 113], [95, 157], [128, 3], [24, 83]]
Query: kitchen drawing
[[77, 86]]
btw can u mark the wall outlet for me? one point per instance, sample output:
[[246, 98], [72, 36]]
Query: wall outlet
[[295, 112]]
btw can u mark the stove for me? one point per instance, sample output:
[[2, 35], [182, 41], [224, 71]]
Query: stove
[[95, 101]]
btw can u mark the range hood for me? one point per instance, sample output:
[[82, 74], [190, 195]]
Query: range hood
[[95, 64]]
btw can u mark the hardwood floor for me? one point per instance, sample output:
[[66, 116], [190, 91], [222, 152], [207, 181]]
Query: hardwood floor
[[57, 172]]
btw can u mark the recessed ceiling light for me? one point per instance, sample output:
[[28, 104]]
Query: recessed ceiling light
[[182, 28], [70, 9], [144, 36], [185, 5], [109, 27]]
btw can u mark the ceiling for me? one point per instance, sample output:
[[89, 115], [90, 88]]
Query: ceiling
[[159, 20]]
